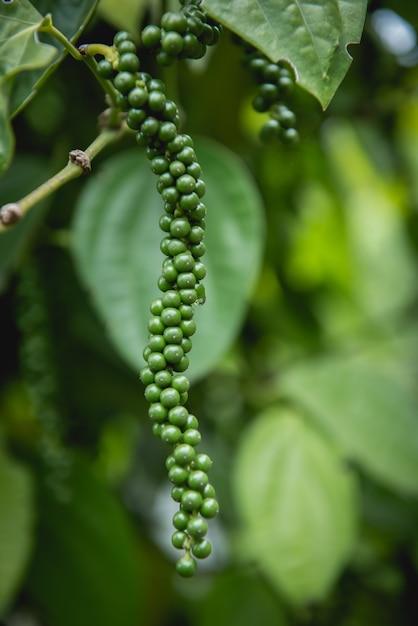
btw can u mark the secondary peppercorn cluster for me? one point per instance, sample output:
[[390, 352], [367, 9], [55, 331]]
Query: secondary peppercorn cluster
[[181, 35], [275, 82], [155, 119]]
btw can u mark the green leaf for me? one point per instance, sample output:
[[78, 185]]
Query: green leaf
[[16, 526], [297, 504], [367, 406], [85, 568], [237, 598], [70, 17], [123, 14], [381, 257], [116, 247], [20, 50], [312, 36]]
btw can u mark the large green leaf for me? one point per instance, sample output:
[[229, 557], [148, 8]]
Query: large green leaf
[[16, 526], [20, 50], [297, 504], [84, 570], [313, 36], [116, 247], [368, 407]]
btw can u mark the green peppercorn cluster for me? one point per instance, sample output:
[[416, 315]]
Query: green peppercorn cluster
[[171, 326], [275, 82], [182, 35]]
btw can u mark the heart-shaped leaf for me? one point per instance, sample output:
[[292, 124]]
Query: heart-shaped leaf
[[367, 408], [16, 526], [312, 36], [116, 246], [85, 567], [297, 504]]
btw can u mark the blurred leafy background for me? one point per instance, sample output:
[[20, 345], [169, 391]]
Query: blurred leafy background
[[304, 364]]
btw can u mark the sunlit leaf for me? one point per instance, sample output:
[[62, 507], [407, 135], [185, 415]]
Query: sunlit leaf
[[85, 568], [116, 246], [368, 408], [16, 526], [313, 36], [296, 502], [383, 269]]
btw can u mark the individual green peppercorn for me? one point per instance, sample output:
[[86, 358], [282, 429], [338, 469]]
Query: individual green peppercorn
[[184, 454], [182, 365], [171, 21], [178, 416], [173, 353], [197, 527], [157, 412], [188, 327], [167, 131], [191, 500], [120, 36], [188, 296], [147, 376], [197, 480], [180, 520], [196, 234], [172, 43], [209, 508], [186, 566], [209, 492], [169, 397], [170, 195], [184, 262], [180, 227], [129, 62], [186, 344], [151, 36], [157, 343], [156, 100], [177, 492], [180, 383], [156, 326], [126, 46], [152, 393], [186, 280], [192, 437], [171, 299], [159, 165], [124, 82], [173, 335], [135, 117], [156, 361], [199, 269], [171, 316], [163, 379], [186, 311], [202, 548], [105, 69], [150, 126], [176, 474], [189, 201], [163, 284], [171, 434], [178, 539], [192, 422], [156, 429], [202, 462], [186, 183]]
